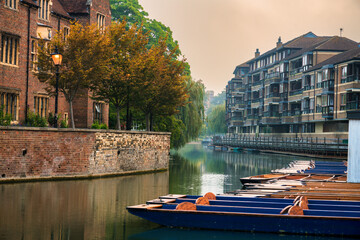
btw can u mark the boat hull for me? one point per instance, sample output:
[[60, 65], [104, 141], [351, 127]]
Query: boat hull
[[251, 222]]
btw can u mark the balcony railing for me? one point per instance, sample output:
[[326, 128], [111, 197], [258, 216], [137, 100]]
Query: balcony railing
[[271, 114], [274, 94], [350, 78], [296, 92], [257, 83], [237, 118], [352, 105], [296, 71], [307, 111], [295, 113], [306, 88], [327, 111], [328, 85], [256, 100]]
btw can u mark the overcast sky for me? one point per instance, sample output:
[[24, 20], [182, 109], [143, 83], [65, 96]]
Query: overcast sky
[[217, 35]]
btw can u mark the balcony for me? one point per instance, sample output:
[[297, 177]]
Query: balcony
[[307, 111], [284, 96], [295, 113], [257, 83], [296, 71], [307, 88], [271, 114], [352, 105], [296, 92], [350, 78], [237, 118], [256, 100], [328, 86], [327, 111], [272, 78]]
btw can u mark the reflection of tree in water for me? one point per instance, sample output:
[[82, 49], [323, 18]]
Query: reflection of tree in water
[[184, 175], [196, 161]]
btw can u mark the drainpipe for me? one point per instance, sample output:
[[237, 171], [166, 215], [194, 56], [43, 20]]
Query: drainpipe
[[27, 68], [336, 88]]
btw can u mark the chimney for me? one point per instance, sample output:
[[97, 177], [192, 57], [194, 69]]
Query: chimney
[[257, 53], [279, 43]]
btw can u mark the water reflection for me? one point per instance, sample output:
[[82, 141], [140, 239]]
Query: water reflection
[[177, 234], [93, 209], [96, 209], [197, 170]]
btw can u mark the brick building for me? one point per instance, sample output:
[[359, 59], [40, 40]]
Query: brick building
[[306, 85], [21, 23]]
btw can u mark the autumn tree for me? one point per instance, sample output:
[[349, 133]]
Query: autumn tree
[[162, 88], [86, 58], [129, 48]]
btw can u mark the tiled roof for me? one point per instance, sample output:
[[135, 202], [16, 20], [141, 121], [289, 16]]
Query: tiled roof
[[304, 41], [334, 44], [75, 6], [243, 65], [31, 2], [58, 8], [339, 58]]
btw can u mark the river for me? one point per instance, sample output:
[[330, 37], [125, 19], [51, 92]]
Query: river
[[96, 209]]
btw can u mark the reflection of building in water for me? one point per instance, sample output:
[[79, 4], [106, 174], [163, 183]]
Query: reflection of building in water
[[91, 209]]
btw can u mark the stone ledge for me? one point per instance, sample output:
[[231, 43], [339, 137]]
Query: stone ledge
[[79, 177], [47, 129]]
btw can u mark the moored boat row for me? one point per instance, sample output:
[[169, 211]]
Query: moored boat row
[[254, 214]]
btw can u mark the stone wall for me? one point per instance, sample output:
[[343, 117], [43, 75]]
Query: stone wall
[[27, 153]]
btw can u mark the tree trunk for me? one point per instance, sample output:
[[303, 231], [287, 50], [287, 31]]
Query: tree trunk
[[72, 115], [151, 122], [118, 124], [148, 122]]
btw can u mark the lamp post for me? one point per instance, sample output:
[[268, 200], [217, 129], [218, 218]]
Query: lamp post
[[57, 59]]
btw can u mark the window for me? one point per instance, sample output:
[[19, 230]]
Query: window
[[98, 109], [41, 105], [10, 102], [9, 49], [66, 32], [33, 54], [343, 99], [11, 4], [344, 72], [44, 9], [101, 21]]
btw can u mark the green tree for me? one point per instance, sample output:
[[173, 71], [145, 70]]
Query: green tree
[[86, 57], [216, 120], [192, 114], [129, 48], [134, 13]]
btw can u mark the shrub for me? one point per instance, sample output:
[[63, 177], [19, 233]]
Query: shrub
[[95, 125], [103, 126], [64, 124], [35, 120], [5, 119]]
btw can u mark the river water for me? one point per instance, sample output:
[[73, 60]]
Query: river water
[[96, 209]]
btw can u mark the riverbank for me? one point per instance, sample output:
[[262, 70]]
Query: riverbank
[[33, 154]]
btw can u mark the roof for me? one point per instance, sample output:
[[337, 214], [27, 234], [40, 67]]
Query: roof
[[351, 54], [243, 65], [59, 9], [327, 44], [76, 6], [30, 2], [304, 41]]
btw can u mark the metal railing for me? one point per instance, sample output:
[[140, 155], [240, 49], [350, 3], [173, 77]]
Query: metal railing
[[309, 145]]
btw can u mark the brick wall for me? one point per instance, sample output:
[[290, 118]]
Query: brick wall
[[37, 152]]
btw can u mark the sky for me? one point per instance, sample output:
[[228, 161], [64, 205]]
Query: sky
[[217, 35]]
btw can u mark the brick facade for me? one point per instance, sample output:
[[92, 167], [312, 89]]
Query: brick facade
[[22, 22], [45, 153]]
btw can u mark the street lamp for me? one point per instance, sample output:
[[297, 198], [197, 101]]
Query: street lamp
[[57, 59]]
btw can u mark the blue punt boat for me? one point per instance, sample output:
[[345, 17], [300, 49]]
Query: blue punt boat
[[324, 217]]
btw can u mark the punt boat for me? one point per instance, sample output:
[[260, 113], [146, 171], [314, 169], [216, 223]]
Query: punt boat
[[262, 178], [319, 217]]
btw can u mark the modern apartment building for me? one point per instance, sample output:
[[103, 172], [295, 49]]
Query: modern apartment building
[[306, 85], [22, 22]]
